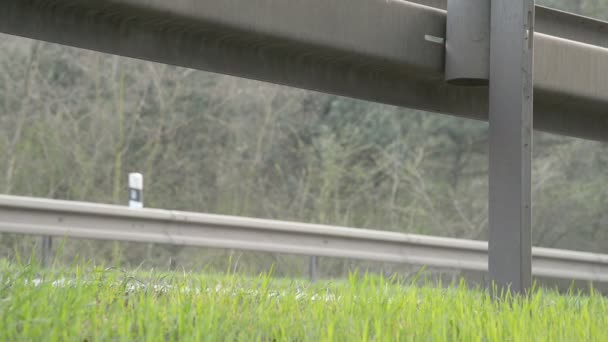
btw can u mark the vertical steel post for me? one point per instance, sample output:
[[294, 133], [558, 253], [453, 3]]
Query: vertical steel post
[[511, 61], [46, 247], [313, 269]]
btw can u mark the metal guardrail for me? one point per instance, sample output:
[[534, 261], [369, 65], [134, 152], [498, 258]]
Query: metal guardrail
[[38, 216], [375, 50]]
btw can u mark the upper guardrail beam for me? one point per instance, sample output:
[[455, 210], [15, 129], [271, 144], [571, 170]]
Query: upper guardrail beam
[[369, 49], [556, 23]]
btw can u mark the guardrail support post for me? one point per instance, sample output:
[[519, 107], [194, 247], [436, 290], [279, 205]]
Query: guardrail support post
[[510, 144], [46, 247], [312, 270]]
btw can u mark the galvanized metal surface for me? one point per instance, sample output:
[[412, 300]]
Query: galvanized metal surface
[[369, 49], [26, 215], [510, 143], [554, 22], [467, 48], [46, 246], [312, 268], [571, 26]]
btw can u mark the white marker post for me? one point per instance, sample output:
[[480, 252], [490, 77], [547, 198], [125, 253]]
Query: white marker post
[[136, 190]]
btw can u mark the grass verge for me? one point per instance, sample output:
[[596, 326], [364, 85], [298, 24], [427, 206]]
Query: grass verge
[[97, 304]]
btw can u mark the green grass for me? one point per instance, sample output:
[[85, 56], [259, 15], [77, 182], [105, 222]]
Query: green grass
[[97, 304]]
